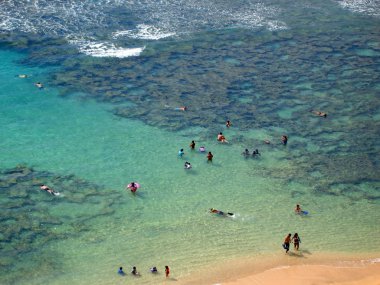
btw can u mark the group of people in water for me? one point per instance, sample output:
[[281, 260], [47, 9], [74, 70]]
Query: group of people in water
[[134, 271]]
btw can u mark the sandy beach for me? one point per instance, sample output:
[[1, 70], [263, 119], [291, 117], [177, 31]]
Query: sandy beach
[[320, 270], [314, 275]]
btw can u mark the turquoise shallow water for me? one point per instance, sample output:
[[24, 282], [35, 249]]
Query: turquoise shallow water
[[114, 71], [167, 221]]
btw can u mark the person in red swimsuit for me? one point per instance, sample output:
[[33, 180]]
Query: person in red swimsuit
[[167, 271]]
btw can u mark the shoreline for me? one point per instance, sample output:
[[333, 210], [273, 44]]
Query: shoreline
[[319, 269]]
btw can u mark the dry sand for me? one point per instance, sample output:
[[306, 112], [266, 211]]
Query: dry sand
[[293, 269]]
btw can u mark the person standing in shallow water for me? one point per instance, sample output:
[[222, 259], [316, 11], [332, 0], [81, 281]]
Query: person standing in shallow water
[[228, 124], [209, 156], [192, 145], [287, 242], [296, 241], [167, 271], [284, 139]]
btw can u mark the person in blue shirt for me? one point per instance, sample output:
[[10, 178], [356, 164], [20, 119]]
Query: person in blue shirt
[[180, 152], [120, 271]]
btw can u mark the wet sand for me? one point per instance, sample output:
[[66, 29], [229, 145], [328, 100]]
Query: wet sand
[[291, 270]]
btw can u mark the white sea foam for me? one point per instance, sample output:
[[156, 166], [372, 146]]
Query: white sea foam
[[368, 7], [166, 17], [145, 32], [103, 49]]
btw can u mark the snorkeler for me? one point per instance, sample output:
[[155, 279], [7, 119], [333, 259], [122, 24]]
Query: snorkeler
[[192, 145], [215, 211], [180, 153], [187, 165], [39, 85], [319, 113], [222, 138], [245, 153], [284, 139], [209, 156], [181, 108], [49, 190]]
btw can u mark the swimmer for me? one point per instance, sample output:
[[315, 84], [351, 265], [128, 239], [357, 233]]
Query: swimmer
[[246, 152], [228, 124], [222, 138], [209, 156], [22, 76], [154, 269], [167, 271], [187, 165], [39, 85], [120, 271], [298, 210], [202, 149], [181, 108], [133, 187], [255, 152], [49, 190], [319, 113], [181, 153], [134, 271], [284, 139], [192, 145], [215, 211]]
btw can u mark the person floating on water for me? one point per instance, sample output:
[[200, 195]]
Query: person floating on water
[[39, 85], [133, 186], [209, 156], [202, 149], [222, 138], [245, 153], [120, 271], [167, 271], [287, 241], [215, 211], [296, 241], [228, 124], [255, 152], [134, 271], [154, 269], [180, 153], [192, 145], [181, 108], [267, 141], [187, 165], [22, 76], [319, 113], [49, 190], [284, 139]]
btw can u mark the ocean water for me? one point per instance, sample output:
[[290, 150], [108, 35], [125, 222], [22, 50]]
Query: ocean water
[[113, 74]]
